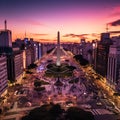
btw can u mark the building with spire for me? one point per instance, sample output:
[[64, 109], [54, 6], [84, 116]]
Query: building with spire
[[5, 37]]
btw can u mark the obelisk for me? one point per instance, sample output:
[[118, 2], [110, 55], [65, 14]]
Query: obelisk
[[58, 49]]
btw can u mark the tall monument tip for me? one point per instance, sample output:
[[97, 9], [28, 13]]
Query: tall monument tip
[[5, 22], [58, 49]]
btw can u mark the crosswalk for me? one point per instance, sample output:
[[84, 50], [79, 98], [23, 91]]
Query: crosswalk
[[100, 112]]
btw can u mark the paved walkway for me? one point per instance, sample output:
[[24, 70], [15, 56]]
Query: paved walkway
[[17, 113]]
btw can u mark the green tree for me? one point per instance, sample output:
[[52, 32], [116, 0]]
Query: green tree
[[45, 112], [37, 83]]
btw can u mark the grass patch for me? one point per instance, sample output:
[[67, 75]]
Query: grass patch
[[59, 71]]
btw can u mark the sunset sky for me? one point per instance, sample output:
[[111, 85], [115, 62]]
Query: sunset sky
[[75, 19]]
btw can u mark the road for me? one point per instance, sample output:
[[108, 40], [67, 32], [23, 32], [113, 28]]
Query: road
[[84, 94]]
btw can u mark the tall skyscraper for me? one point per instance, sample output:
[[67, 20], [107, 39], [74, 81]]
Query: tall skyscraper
[[3, 75], [113, 71], [5, 37], [102, 54]]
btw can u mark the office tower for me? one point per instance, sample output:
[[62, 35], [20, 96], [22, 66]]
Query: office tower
[[15, 65], [3, 75], [113, 70], [94, 49], [105, 37], [102, 54], [18, 63], [5, 37]]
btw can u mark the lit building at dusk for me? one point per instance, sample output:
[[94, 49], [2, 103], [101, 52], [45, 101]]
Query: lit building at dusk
[[102, 54], [5, 37], [113, 69], [94, 53], [18, 64], [3, 76]]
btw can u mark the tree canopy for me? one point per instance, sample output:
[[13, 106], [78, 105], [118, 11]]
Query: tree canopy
[[54, 112], [45, 112], [74, 113], [81, 60]]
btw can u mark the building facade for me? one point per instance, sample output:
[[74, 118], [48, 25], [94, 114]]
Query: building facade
[[3, 75], [15, 64], [18, 64], [102, 54], [5, 38], [113, 70]]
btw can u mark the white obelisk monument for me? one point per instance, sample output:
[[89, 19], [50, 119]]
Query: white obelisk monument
[[58, 49]]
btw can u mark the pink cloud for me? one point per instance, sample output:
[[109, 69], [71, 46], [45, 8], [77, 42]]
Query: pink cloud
[[95, 35], [114, 32], [115, 11], [37, 34], [115, 23], [46, 40], [83, 36], [33, 22]]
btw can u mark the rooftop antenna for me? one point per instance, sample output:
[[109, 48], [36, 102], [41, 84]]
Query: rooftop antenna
[[107, 27], [5, 22]]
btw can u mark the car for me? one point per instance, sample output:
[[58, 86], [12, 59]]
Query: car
[[28, 104], [99, 103], [69, 105], [86, 106], [16, 92], [109, 107]]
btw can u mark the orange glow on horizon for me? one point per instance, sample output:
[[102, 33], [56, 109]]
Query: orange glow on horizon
[[76, 23]]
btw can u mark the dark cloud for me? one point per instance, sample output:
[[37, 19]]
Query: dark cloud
[[83, 36], [46, 40], [78, 36], [114, 32], [115, 23]]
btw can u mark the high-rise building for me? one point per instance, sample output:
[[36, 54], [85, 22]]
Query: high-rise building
[[18, 63], [39, 50], [15, 65], [3, 75], [113, 70], [102, 54], [94, 49], [105, 36], [5, 37]]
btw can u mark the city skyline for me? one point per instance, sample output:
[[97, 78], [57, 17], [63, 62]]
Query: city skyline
[[74, 19], [38, 80]]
